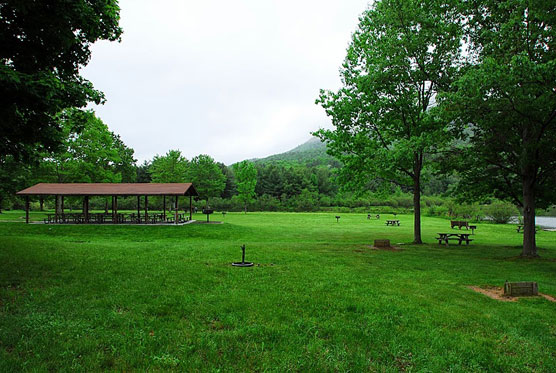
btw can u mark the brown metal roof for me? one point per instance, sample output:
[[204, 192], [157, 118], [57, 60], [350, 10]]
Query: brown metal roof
[[106, 189]]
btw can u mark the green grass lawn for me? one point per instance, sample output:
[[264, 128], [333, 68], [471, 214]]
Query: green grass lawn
[[319, 299]]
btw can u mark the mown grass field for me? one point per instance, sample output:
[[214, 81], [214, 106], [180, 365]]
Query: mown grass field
[[319, 299]]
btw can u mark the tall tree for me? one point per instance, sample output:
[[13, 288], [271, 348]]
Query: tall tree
[[14, 175], [246, 178], [126, 164], [90, 153], [230, 188], [207, 177], [142, 174], [403, 53], [505, 105], [43, 44], [169, 168]]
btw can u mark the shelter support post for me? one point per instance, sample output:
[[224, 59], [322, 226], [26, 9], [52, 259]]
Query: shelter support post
[[27, 209], [62, 207], [190, 208], [164, 207], [56, 207], [113, 209], [176, 212], [86, 209], [138, 209], [146, 209]]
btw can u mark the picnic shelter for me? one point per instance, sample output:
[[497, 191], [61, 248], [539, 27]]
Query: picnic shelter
[[114, 190]]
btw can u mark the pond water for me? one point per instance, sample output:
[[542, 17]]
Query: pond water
[[546, 221]]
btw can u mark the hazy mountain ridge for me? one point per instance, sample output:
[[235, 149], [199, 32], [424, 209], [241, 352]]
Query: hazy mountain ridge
[[311, 152]]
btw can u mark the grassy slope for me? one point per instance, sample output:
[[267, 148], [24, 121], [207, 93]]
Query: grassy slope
[[136, 297]]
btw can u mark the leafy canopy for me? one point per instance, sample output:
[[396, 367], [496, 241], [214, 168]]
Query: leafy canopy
[[90, 153], [43, 44], [169, 168], [206, 176], [505, 103], [403, 53]]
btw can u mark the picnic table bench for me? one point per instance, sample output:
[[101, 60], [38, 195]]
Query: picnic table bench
[[460, 237], [459, 224], [392, 222]]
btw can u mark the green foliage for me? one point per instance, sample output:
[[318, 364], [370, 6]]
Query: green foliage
[[43, 44], [230, 188], [142, 172], [500, 212], [504, 106], [206, 176], [91, 153], [169, 168], [13, 177], [246, 178], [402, 54]]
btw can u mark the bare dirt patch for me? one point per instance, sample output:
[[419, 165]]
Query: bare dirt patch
[[387, 248], [497, 292]]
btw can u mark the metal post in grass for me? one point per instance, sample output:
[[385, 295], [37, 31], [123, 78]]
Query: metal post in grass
[[337, 218], [243, 263]]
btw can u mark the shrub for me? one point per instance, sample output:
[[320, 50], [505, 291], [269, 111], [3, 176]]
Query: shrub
[[500, 212], [467, 211]]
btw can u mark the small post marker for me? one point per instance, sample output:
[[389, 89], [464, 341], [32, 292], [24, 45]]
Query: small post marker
[[382, 243], [337, 218], [243, 263]]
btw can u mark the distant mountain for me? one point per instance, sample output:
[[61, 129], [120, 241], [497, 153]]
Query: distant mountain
[[311, 153]]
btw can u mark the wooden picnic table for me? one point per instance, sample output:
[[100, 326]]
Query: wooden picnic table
[[519, 228], [460, 237], [182, 218], [393, 222], [64, 218]]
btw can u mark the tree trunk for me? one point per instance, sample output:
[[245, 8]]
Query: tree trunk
[[106, 206], [58, 213], [417, 210], [41, 202], [529, 244], [417, 166]]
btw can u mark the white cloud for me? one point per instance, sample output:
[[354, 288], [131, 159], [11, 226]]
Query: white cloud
[[235, 80]]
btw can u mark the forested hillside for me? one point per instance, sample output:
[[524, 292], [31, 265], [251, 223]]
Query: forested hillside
[[311, 153]]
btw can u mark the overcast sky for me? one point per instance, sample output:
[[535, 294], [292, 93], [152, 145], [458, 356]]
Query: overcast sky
[[232, 79]]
